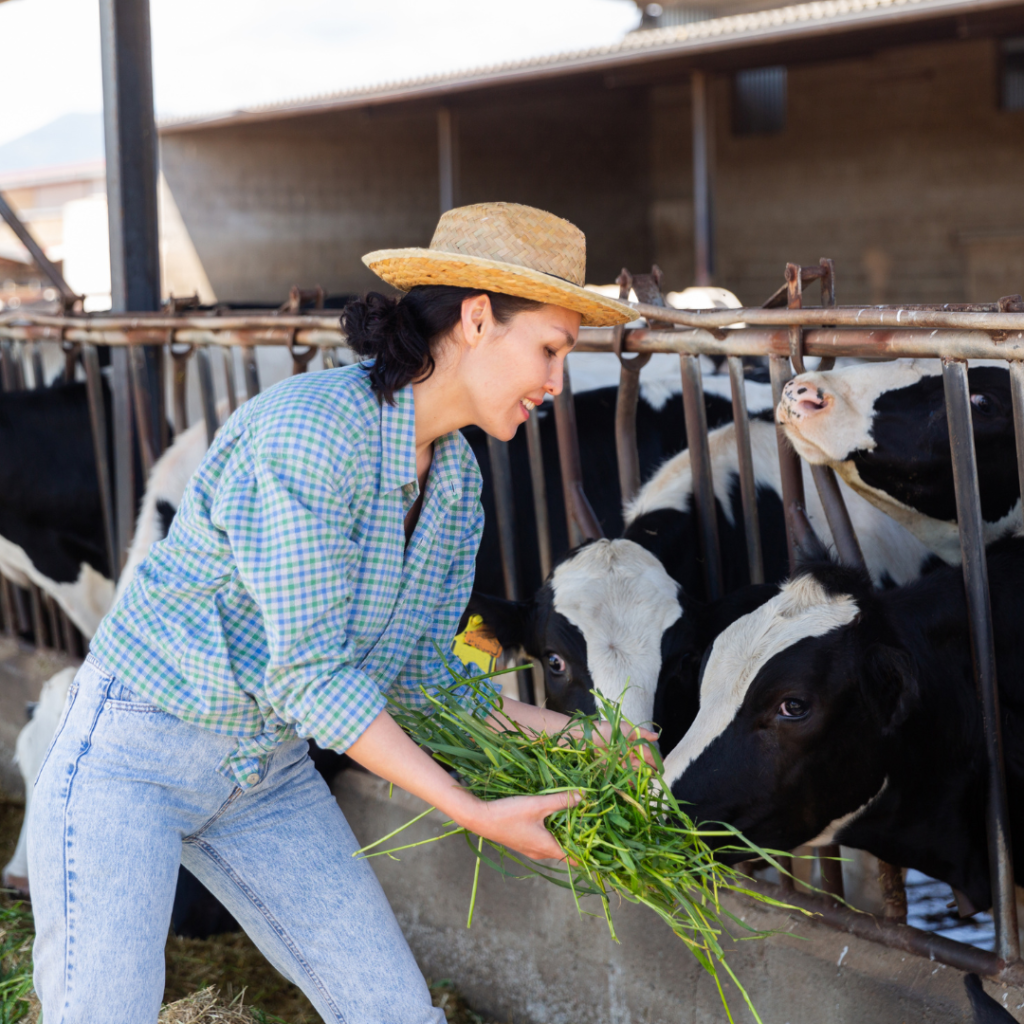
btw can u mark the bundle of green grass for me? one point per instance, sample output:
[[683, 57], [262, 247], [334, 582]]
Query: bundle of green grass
[[627, 836]]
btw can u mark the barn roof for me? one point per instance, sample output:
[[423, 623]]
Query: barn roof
[[702, 39]]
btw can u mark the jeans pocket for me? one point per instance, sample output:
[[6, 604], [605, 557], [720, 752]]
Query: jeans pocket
[[72, 694]]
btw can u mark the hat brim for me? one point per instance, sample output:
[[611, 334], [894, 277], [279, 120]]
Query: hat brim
[[407, 268]]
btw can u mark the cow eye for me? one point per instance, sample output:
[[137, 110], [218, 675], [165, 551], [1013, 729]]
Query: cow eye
[[981, 403], [793, 708], [556, 663]]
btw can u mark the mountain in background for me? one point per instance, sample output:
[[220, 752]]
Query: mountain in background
[[71, 139]]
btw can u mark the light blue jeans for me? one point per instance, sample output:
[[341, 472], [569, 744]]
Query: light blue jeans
[[125, 794]]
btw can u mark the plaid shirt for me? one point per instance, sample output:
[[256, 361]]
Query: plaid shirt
[[284, 601]]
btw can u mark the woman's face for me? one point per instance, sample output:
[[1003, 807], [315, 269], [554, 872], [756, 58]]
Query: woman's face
[[507, 369]]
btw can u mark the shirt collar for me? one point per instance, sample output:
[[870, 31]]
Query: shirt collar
[[397, 442], [398, 452]]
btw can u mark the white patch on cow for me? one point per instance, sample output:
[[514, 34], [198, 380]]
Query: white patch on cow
[[828, 833], [29, 750], [843, 427], [86, 600], [889, 549], [803, 608], [167, 482], [618, 595]]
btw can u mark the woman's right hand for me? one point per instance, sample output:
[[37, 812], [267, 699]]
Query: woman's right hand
[[518, 823]]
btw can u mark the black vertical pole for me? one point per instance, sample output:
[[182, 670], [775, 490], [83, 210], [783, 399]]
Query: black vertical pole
[[131, 148]]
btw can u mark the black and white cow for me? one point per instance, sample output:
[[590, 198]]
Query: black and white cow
[[837, 712], [883, 428], [623, 616], [51, 522]]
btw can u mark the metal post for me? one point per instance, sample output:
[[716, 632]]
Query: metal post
[[179, 386], [148, 444], [36, 252], [7, 605], [251, 371], [8, 374], [38, 374], [447, 158], [748, 485], [229, 377], [703, 194], [580, 518], [131, 169], [501, 481], [206, 391], [540, 495], [98, 425], [53, 621], [124, 463], [36, 605], [626, 451], [979, 610], [700, 467], [1017, 395]]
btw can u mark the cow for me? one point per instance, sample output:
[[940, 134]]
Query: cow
[[883, 428], [839, 713], [625, 617]]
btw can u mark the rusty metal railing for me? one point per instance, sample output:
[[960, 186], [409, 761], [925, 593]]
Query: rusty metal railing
[[784, 332]]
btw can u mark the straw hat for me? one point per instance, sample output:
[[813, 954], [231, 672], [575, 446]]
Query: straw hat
[[506, 248]]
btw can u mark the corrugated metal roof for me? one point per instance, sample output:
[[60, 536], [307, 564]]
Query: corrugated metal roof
[[759, 28]]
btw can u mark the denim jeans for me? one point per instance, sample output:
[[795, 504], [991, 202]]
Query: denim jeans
[[125, 794]]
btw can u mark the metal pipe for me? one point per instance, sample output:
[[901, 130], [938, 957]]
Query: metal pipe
[[703, 198], [695, 415], [38, 375], [790, 468], [124, 464], [979, 610], [149, 446], [8, 373], [98, 426], [745, 458], [53, 621], [539, 486], [35, 251], [580, 518], [39, 634], [1017, 395], [843, 534], [179, 387], [897, 936], [627, 455], [206, 392], [7, 606], [504, 506], [229, 378], [251, 371]]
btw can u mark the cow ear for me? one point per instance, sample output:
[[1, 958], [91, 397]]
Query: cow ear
[[510, 621], [891, 686]]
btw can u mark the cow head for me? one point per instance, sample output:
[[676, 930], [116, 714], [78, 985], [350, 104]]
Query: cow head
[[602, 621], [798, 703], [883, 428]]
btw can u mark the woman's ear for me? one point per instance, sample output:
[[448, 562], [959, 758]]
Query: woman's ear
[[477, 318]]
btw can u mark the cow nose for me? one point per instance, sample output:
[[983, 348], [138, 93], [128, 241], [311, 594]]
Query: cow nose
[[802, 399]]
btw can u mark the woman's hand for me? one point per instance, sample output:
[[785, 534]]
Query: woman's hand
[[518, 823], [634, 735]]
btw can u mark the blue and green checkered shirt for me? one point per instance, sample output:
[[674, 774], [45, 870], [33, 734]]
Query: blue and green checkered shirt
[[284, 601]]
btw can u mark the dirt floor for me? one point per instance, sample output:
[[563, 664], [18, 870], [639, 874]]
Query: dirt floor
[[230, 962]]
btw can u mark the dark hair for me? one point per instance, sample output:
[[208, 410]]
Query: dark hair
[[399, 335]]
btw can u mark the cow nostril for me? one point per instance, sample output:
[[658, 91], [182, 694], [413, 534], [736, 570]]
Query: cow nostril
[[811, 403]]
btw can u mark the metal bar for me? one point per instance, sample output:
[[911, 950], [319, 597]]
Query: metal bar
[[229, 378], [149, 446], [8, 373], [36, 605], [896, 936], [38, 374], [790, 469], [98, 426], [839, 524], [35, 251], [124, 463], [748, 487], [179, 387], [70, 633], [251, 371], [627, 455], [7, 605], [979, 610], [21, 613], [540, 494], [206, 392], [1017, 395], [703, 485], [580, 518], [703, 198], [504, 505], [53, 621], [447, 158]]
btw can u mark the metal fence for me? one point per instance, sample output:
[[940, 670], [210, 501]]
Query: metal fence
[[784, 333]]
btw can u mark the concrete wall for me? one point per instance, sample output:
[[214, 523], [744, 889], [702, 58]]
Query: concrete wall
[[531, 958], [899, 166]]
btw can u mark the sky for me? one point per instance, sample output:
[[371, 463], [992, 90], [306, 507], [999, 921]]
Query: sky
[[212, 55]]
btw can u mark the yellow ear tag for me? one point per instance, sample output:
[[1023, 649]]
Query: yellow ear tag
[[475, 646]]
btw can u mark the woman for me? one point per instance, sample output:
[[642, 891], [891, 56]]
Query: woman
[[325, 544]]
